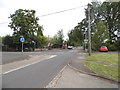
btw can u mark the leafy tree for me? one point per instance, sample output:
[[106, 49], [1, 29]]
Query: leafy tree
[[40, 31], [76, 36], [111, 13], [101, 35], [24, 23], [8, 40], [107, 12], [57, 39], [60, 37], [0, 39], [0, 43], [41, 41]]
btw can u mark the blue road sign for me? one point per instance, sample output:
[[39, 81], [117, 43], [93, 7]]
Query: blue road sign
[[22, 39]]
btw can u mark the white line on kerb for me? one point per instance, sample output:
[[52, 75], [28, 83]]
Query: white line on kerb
[[26, 65]]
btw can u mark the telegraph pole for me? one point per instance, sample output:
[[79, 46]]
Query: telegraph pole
[[89, 31]]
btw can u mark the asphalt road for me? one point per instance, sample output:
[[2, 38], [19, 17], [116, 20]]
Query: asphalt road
[[36, 75], [8, 57]]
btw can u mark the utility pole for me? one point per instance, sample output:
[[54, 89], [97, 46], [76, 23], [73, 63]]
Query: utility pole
[[89, 31]]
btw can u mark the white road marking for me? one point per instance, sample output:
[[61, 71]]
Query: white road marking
[[27, 65], [52, 56]]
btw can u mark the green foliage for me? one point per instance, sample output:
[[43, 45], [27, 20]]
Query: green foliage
[[57, 40], [111, 16], [75, 37], [24, 23], [60, 37], [8, 43], [41, 41], [112, 47], [108, 14], [7, 40], [117, 44], [40, 31], [100, 35], [0, 43]]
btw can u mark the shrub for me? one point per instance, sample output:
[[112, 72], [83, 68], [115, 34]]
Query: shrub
[[112, 47]]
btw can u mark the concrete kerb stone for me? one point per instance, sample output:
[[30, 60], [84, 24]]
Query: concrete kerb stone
[[96, 75], [54, 81]]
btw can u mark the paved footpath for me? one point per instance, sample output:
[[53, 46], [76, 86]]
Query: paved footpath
[[76, 75], [71, 78]]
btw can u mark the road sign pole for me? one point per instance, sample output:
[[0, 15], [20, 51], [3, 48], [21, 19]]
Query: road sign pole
[[22, 47], [22, 40]]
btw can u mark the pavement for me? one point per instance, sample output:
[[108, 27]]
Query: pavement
[[76, 75]]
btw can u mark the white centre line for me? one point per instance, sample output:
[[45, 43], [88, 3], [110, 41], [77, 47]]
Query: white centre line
[[27, 65]]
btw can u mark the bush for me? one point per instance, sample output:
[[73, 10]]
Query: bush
[[112, 47]]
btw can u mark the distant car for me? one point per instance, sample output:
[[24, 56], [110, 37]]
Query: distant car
[[70, 47], [103, 49]]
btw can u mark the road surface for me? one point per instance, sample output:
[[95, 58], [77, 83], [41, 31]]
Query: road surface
[[37, 75]]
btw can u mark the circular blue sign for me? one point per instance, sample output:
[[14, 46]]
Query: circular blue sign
[[22, 39]]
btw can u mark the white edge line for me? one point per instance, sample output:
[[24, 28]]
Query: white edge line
[[26, 65]]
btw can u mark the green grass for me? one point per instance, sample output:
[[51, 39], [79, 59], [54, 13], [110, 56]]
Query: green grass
[[106, 71], [104, 58]]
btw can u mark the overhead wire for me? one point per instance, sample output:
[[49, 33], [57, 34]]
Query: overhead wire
[[54, 13], [61, 11]]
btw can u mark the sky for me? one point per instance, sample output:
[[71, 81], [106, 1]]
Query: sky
[[52, 23]]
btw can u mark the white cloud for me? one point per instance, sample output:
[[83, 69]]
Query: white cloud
[[51, 24]]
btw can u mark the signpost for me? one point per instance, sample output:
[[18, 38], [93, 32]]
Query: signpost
[[86, 40], [22, 39]]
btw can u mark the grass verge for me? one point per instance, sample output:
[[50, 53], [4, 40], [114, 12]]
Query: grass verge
[[103, 70], [104, 58]]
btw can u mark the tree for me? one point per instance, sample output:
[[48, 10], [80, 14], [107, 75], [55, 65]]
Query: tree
[[107, 12], [24, 23], [76, 36], [0, 43], [60, 37], [111, 15], [41, 41], [8, 42], [40, 31], [101, 35], [57, 39]]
